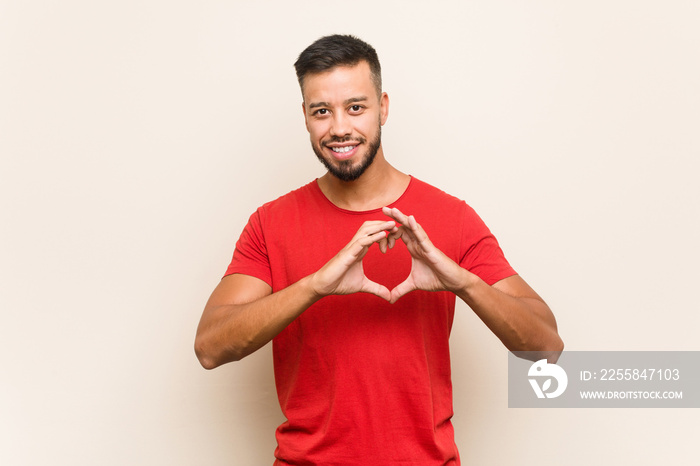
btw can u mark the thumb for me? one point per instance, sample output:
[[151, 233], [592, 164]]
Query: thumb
[[376, 289], [401, 289]]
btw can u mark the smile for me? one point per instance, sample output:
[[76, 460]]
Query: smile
[[342, 150]]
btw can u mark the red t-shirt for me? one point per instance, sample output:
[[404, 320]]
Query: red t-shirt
[[359, 380]]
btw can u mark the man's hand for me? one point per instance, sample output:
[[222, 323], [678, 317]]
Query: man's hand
[[344, 273], [510, 308], [431, 269], [243, 313]]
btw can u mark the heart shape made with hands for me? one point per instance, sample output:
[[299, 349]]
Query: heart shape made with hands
[[389, 269]]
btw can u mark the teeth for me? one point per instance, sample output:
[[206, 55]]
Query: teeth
[[342, 150]]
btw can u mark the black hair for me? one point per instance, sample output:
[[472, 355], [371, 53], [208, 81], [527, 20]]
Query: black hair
[[338, 50]]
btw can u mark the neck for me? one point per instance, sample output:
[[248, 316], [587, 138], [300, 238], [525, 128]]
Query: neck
[[380, 185]]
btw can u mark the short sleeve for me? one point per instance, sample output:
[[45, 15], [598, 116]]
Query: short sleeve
[[250, 256], [480, 252]]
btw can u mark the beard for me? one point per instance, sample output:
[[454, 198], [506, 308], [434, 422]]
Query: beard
[[345, 170]]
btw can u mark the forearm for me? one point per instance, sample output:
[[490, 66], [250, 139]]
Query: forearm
[[510, 308], [522, 322], [230, 332], [243, 314]]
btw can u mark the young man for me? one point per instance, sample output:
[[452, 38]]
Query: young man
[[360, 332]]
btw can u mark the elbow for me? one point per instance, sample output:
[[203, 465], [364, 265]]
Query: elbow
[[560, 344], [209, 358], [554, 350], [207, 362], [549, 349], [547, 344], [203, 356]]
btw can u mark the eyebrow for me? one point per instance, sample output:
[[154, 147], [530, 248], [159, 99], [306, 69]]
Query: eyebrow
[[351, 100]]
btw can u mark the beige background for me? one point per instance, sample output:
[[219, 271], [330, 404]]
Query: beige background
[[137, 137]]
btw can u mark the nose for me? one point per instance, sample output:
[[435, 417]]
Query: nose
[[340, 126]]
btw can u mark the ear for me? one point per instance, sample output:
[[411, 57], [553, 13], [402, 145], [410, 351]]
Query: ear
[[383, 108], [306, 121]]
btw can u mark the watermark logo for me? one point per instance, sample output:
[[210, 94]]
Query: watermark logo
[[604, 379], [545, 371]]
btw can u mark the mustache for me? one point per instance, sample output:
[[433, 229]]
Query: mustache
[[338, 140]]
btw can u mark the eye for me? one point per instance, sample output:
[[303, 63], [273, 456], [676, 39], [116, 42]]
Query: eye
[[321, 111], [356, 108]]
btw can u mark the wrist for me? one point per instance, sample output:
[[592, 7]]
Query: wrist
[[465, 283], [309, 283]]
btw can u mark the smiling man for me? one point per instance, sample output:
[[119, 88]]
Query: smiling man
[[345, 139], [360, 330]]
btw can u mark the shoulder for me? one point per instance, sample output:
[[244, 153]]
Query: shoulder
[[439, 202], [422, 188], [302, 192], [304, 195], [437, 211], [303, 206]]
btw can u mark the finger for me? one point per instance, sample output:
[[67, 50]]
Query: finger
[[377, 225], [396, 214], [391, 241], [417, 230], [410, 225], [413, 224], [408, 221], [372, 227], [383, 243], [368, 286], [394, 235], [402, 219], [401, 289], [366, 241]]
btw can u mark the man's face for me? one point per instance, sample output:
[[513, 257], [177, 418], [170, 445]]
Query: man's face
[[344, 116]]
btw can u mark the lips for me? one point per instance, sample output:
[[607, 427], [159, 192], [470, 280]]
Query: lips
[[343, 152]]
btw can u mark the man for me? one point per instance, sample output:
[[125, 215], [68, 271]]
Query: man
[[360, 332]]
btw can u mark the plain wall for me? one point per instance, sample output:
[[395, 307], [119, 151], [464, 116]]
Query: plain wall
[[138, 136]]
